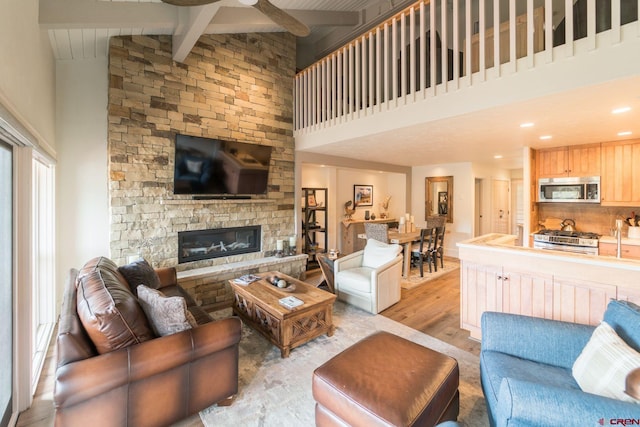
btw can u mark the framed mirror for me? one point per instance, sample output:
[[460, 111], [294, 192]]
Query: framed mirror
[[438, 198]]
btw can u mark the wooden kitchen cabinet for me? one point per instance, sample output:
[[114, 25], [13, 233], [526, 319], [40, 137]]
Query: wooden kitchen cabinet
[[580, 301], [627, 251], [507, 290], [556, 289], [575, 161], [620, 181]]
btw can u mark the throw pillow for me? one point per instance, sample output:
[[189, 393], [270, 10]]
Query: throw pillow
[[140, 272], [107, 308], [167, 315], [377, 253], [604, 364]]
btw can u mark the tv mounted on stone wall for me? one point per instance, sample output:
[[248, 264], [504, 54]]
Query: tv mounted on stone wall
[[215, 167]]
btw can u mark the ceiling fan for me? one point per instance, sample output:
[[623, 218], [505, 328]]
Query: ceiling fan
[[278, 16]]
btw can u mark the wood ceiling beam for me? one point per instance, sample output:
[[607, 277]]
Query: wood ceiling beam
[[68, 14], [251, 16], [194, 21]]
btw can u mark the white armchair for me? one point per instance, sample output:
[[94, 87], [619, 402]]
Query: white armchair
[[370, 278]]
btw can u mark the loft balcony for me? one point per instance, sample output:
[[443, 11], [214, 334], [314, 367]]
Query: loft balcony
[[397, 75]]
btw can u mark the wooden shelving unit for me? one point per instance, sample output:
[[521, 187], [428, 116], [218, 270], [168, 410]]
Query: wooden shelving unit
[[314, 224]]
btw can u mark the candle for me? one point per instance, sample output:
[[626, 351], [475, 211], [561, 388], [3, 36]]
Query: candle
[[292, 241], [412, 219], [401, 220], [407, 217], [280, 245]]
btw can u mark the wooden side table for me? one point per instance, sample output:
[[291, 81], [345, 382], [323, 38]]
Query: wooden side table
[[326, 266]]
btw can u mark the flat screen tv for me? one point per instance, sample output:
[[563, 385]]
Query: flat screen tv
[[207, 166]]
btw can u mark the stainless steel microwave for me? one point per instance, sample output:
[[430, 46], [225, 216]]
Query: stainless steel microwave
[[569, 190]]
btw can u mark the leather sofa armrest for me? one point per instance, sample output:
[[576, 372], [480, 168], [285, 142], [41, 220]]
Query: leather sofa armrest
[[85, 379], [167, 275]]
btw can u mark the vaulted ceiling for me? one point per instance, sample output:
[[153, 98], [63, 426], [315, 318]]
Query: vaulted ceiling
[[80, 29]]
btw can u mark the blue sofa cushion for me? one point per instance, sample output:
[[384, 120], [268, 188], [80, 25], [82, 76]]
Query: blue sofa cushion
[[496, 366], [624, 318]]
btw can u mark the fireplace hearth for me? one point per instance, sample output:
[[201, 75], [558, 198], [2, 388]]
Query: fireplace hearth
[[220, 242]]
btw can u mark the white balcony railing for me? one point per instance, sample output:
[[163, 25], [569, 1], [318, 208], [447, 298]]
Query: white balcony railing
[[399, 63]]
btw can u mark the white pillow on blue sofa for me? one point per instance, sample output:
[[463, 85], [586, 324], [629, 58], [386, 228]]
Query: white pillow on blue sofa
[[377, 253], [604, 364]]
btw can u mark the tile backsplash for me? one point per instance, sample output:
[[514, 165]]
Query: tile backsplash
[[591, 218]]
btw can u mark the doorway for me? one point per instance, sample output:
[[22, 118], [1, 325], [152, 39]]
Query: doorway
[[500, 211], [478, 225]]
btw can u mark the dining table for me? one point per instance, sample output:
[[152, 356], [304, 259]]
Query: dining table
[[405, 239]]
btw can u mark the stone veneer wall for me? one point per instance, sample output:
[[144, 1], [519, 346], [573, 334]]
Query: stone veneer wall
[[237, 87]]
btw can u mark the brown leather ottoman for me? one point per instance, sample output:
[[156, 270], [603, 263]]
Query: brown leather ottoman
[[386, 380]]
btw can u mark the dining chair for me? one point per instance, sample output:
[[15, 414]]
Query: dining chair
[[435, 221], [438, 247], [424, 250], [377, 231]]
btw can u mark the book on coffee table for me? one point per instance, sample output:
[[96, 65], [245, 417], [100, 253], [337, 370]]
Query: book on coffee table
[[290, 302], [246, 279]]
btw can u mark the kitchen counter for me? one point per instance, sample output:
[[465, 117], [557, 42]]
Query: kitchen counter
[[624, 241], [497, 275], [505, 244], [630, 248]]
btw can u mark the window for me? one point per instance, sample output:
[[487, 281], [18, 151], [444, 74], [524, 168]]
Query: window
[[42, 262], [6, 282]]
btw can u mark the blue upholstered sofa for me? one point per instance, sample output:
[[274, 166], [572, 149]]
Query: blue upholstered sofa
[[526, 370]]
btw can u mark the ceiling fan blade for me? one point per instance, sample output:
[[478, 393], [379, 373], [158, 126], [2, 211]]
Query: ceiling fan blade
[[282, 18], [189, 2]]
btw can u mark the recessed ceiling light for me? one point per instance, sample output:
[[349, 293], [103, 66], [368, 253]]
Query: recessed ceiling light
[[625, 133], [497, 156], [526, 125], [543, 137], [621, 110], [249, 2]]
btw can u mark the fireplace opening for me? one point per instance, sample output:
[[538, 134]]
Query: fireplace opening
[[219, 242]]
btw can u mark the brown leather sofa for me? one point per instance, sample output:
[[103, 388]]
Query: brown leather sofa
[[149, 381]]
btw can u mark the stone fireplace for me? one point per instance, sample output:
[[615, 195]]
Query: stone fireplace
[[215, 243], [212, 94]]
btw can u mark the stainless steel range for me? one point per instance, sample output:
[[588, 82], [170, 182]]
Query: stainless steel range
[[567, 241]]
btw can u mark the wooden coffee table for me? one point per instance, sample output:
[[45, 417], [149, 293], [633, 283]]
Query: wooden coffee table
[[257, 304]]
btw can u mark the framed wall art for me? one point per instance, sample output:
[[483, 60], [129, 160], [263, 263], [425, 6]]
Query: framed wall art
[[363, 195]]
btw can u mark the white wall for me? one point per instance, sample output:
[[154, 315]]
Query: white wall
[[27, 72], [463, 200], [340, 181], [27, 104], [83, 207], [384, 184]]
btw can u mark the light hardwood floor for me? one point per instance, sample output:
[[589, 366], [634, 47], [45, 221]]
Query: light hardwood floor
[[433, 308]]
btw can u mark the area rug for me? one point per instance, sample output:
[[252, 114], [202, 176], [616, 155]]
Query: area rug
[[414, 280], [277, 392]]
